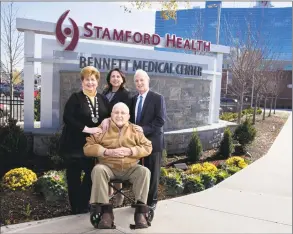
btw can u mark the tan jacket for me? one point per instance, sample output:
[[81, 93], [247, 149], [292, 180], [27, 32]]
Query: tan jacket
[[115, 138]]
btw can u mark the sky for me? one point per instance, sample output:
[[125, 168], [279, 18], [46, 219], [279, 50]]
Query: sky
[[105, 14]]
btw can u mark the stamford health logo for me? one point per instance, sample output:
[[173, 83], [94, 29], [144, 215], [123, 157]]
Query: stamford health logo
[[74, 34]]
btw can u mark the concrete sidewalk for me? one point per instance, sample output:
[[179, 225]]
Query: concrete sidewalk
[[258, 199]]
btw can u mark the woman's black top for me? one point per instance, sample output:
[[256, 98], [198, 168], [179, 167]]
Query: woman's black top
[[122, 95], [77, 115]]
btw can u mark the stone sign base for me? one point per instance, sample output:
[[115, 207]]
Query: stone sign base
[[176, 142]]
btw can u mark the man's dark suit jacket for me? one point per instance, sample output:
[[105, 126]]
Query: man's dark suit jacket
[[153, 118]]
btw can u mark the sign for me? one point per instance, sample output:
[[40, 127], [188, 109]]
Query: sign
[[181, 166], [150, 66], [96, 32]]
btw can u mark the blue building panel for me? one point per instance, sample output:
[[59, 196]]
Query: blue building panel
[[274, 25]]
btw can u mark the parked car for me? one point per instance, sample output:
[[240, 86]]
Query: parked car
[[4, 90], [229, 104]]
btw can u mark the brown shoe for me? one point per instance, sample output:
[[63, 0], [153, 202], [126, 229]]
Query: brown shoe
[[107, 219], [140, 216]]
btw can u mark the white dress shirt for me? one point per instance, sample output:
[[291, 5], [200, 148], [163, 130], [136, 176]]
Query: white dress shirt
[[137, 102]]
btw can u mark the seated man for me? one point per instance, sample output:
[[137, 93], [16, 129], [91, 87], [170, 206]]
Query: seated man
[[119, 150]]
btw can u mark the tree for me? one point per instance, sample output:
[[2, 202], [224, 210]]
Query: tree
[[226, 145], [267, 90], [194, 148], [11, 45], [245, 134], [168, 8], [279, 77], [260, 79], [245, 58], [251, 55]]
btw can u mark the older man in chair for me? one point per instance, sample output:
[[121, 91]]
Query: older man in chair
[[118, 151]]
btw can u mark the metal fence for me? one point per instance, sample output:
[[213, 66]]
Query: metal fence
[[11, 108]]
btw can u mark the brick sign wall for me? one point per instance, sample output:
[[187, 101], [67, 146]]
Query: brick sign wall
[[187, 100]]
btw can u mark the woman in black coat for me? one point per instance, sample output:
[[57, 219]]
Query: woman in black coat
[[83, 112], [115, 90]]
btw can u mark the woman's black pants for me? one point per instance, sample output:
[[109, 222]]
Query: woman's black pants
[[79, 190]]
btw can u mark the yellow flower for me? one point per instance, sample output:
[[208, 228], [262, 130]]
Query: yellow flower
[[242, 164], [196, 168], [209, 167], [19, 178]]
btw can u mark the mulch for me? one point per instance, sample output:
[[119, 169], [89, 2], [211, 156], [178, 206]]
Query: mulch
[[267, 131], [23, 206]]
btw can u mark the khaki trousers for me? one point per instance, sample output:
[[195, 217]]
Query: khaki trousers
[[138, 176]]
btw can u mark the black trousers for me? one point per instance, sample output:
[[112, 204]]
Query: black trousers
[[153, 163], [79, 191]]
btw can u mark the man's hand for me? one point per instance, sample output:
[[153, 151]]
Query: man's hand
[[113, 153], [94, 130], [105, 124], [98, 131], [123, 151], [138, 128]]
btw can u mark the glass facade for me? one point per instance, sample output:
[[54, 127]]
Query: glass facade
[[274, 25]]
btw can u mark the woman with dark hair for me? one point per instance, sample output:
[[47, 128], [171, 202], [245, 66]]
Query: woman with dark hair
[[115, 91], [83, 113]]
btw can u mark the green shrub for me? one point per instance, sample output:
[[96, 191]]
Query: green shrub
[[232, 169], [221, 175], [226, 145], [245, 133], [164, 171], [175, 170], [193, 184], [53, 150], [248, 111], [208, 179], [194, 149], [173, 184], [52, 185], [236, 161], [13, 146], [163, 175], [229, 116], [259, 111]]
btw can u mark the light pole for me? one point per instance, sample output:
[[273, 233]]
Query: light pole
[[219, 6]]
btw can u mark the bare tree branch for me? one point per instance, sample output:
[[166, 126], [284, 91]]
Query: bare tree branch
[[11, 44]]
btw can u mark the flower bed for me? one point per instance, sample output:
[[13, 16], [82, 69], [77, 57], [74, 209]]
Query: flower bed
[[199, 176], [46, 196]]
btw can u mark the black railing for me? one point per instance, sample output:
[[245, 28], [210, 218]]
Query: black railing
[[11, 108]]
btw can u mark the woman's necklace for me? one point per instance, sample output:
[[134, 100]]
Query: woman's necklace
[[95, 116]]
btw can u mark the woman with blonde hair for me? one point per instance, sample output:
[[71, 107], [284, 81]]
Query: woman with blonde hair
[[83, 113]]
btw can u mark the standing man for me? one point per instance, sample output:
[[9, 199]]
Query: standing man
[[149, 112]]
